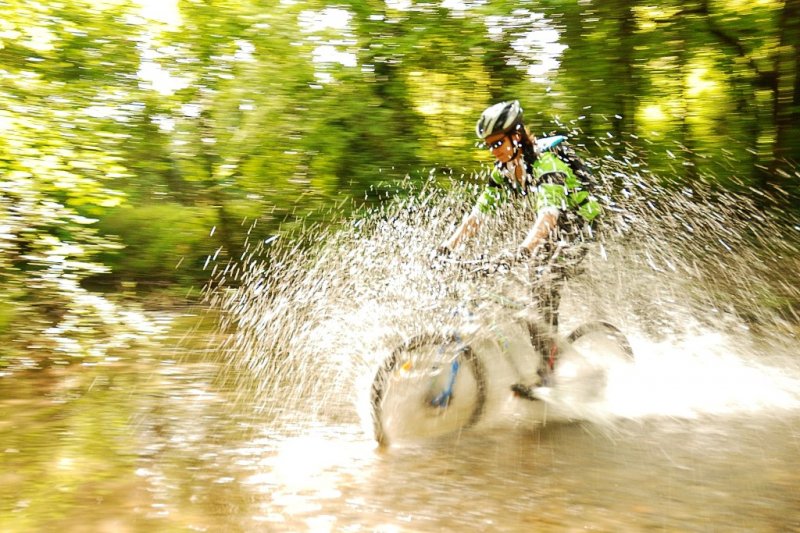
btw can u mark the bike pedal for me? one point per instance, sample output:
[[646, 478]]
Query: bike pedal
[[523, 391]]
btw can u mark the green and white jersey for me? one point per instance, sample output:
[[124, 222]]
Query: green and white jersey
[[553, 185]]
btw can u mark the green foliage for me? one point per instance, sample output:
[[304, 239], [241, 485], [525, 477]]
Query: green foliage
[[163, 242], [65, 92], [255, 117]]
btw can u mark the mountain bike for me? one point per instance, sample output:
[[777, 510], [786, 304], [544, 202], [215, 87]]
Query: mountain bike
[[435, 383]]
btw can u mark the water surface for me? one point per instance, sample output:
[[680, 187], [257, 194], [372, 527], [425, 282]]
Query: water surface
[[165, 442]]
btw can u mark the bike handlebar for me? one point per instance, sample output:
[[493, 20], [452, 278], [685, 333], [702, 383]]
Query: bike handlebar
[[502, 263]]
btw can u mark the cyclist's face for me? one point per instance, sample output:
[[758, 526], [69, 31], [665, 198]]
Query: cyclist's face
[[501, 145]]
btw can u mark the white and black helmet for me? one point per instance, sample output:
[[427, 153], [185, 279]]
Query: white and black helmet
[[500, 117]]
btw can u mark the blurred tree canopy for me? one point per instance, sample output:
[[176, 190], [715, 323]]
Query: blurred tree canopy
[[140, 137]]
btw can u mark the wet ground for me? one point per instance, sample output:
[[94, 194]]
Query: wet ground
[[161, 443]]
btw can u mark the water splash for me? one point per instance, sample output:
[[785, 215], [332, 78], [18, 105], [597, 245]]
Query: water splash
[[703, 281]]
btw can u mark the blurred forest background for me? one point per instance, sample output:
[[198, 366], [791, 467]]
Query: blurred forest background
[[139, 138]]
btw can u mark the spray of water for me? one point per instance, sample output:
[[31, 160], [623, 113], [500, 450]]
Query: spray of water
[[704, 282]]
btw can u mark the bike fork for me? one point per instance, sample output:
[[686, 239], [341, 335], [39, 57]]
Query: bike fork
[[443, 398]]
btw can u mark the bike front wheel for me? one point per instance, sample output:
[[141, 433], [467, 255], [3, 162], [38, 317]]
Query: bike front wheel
[[429, 386]]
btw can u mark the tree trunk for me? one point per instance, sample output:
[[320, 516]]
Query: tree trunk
[[686, 140], [625, 120], [579, 52], [787, 95]]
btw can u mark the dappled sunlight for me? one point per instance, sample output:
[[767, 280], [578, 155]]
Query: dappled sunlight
[[164, 11], [653, 113], [700, 84]]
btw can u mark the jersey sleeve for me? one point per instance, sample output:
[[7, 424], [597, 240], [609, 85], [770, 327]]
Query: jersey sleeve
[[489, 200], [493, 195]]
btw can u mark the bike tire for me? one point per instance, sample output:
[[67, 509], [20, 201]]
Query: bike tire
[[380, 384], [611, 332]]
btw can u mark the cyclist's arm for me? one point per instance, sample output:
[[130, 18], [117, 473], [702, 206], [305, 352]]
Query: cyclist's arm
[[487, 203], [469, 226], [546, 223]]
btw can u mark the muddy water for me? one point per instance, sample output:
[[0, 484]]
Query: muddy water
[[724, 474], [162, 442]]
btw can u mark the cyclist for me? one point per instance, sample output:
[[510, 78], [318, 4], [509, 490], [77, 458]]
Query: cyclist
[[540, 179]]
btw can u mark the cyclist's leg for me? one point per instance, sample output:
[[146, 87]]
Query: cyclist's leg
[[551, 300], [546, 293], [545, 297], [568, 265]]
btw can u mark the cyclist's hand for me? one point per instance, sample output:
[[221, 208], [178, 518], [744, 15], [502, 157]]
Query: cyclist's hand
[[439, 256], [503, 261], [523, 254], [537, 254]]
